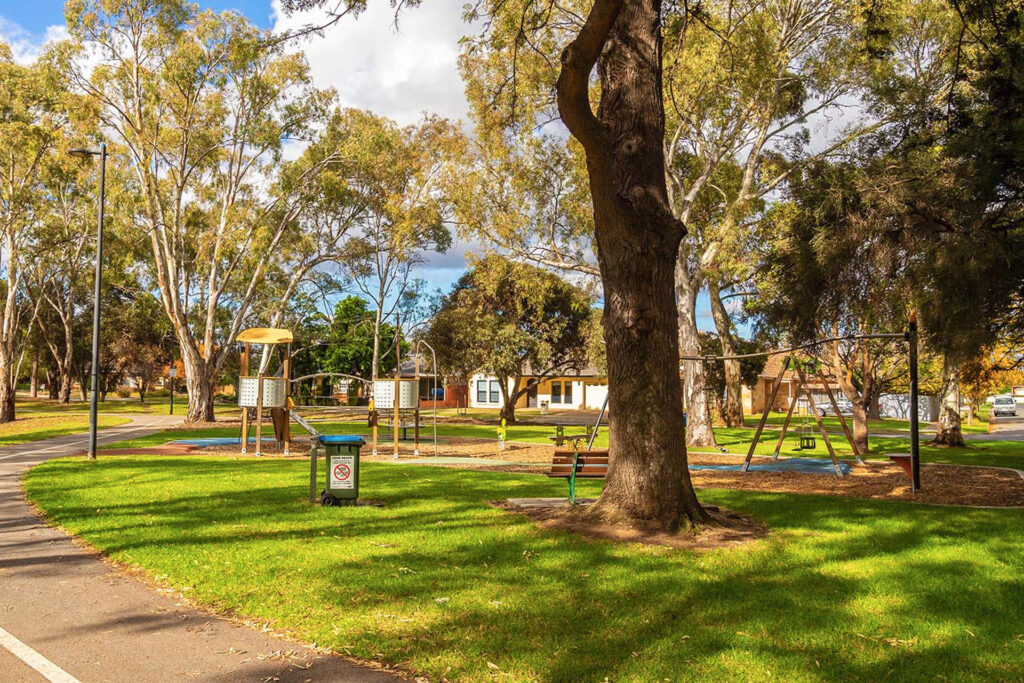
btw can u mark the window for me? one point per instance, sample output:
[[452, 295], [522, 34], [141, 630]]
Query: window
[[495, 394], [556, 392], [567, 396], [481, 391]]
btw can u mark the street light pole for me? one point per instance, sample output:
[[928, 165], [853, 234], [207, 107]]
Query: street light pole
[[94, 397]]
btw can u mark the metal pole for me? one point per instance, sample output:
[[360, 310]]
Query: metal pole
[[915, 448], [94, 399]]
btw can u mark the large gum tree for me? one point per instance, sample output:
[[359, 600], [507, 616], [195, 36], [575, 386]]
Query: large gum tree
[[199, 106]]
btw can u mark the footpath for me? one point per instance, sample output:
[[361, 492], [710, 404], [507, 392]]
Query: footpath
[[67, 616]]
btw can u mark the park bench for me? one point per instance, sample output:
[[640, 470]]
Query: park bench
[[576, 464]]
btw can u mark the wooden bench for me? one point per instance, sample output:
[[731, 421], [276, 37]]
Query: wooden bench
[[576, 464]]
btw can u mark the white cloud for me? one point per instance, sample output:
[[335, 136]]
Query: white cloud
[[398, 72], [25, 45]]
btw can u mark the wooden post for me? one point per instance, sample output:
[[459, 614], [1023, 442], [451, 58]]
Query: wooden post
[[259, 413], [398, 386], [373, 423], [817, 418], [785, 428], [286, 369], [842, 420], [416, 413], [244, 371], [764, 417]]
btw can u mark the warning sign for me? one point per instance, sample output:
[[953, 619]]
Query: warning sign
[[342, 467]]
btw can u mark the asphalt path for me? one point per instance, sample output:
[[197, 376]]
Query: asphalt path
[[67, 615]]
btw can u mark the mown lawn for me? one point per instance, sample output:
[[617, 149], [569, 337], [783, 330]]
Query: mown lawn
[[445, 585], [989, 453], [153, 406], [47, 426]]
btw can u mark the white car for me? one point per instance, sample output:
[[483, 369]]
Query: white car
[[1004, 405]]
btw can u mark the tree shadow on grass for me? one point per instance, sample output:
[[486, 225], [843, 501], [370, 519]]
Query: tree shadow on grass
[[843, 589]]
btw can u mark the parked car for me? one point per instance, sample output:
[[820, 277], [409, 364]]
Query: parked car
[[825, 406], [1004, 405]]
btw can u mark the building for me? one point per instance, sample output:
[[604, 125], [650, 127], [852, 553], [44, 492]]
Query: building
[[756, 397], [573, 390]]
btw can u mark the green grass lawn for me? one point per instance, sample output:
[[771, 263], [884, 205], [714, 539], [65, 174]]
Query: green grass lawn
[[35, 427], [447, 586], [737, 440], [152, 406]]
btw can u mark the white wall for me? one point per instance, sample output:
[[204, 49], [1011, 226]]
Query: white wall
[[594, 394]]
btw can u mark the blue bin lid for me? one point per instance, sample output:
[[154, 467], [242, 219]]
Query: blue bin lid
[[342, 438]]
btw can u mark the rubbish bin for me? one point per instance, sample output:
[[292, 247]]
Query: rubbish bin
[[341, 452], [543, 407]]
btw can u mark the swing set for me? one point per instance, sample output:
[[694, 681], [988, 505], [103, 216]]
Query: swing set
[[911, 463], [803, 368]]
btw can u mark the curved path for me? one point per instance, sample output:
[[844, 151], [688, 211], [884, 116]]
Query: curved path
[[65, 615]]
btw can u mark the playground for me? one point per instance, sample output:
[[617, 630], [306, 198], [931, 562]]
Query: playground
[[441, 583], [467, 559]]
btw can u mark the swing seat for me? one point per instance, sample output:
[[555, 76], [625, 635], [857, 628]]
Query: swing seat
[[806, 442]]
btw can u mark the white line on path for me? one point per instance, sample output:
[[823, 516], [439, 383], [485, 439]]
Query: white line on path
[[48, 669]]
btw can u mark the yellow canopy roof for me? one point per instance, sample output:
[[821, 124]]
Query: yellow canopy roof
[[265, 335]]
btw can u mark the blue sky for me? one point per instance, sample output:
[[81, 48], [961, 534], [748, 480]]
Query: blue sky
[[401, 73]]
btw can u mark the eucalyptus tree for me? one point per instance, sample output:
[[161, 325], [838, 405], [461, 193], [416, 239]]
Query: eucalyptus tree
[[34, 114], [67, 244], [199, 106], [397, 173]]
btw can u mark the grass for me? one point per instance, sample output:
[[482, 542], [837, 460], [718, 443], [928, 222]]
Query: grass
[[48, 425], [152, 406], [447, 586]]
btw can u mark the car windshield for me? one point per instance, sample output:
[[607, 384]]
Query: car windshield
[[1004, 401]]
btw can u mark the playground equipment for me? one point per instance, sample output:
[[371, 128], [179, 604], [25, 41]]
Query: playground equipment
[[803, 368], [260, 391], [910, 336], [396, 400]]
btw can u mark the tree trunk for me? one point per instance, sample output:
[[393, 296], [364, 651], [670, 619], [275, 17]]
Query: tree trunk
[[874, 410], [65, 383], [948, 432], [199, 384], [33, 387], [699, 430], [7, 387], [732, 405], [860, 426], [637, 240], [508, 399], [52, 385]]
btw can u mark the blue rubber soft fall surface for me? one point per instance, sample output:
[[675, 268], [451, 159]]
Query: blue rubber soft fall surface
[[802, 465]]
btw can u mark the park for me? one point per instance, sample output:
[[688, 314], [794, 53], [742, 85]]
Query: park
[[528, 341]]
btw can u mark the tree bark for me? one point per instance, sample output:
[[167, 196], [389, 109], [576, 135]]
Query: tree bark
[[637, 240], [51, 384], [199, 384], [7, 386], [509, 398], [860, 426], [699, 431], [874, 409], [33, 386], [948, 432], [732, 404]]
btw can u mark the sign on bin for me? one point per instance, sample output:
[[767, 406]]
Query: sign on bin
[[341, 471]]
